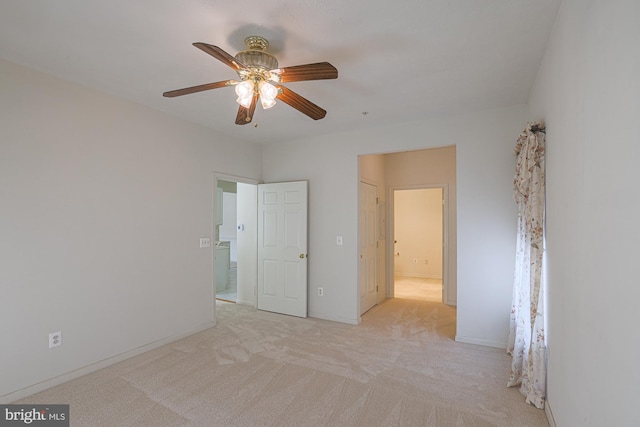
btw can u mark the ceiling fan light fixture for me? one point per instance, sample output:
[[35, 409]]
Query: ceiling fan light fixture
[[244, 101], [268, 94], [244, 89], [260, 77], [267, 103], [267, 90]]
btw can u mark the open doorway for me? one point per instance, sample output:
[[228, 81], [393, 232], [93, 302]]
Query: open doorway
[[235, 240], [430, 168], [418, 254], [226, 242], [260, 256]]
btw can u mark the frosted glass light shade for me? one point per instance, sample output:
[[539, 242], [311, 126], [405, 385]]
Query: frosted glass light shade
[[244, 89], [245, 101], [267, 103], [268, 91]]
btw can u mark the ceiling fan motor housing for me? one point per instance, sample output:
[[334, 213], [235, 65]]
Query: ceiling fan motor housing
[[256, 56]]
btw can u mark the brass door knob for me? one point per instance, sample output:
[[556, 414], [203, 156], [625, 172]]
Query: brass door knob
[[303, 256]]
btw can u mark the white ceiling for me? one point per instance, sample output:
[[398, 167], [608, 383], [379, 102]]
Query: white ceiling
[[398, 61]]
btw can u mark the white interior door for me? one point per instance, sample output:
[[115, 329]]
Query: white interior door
[[282, 248], [368, 207]]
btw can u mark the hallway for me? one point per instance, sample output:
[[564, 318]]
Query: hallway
[[418, 288]]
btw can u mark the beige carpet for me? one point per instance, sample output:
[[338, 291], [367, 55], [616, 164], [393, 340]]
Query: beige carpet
[[400, 367], [418, 288]]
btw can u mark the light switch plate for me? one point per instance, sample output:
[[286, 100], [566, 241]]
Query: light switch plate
[[205, 242], [339, 240]]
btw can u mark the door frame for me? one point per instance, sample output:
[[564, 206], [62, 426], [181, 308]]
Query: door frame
[[445, 236], [377, 259]]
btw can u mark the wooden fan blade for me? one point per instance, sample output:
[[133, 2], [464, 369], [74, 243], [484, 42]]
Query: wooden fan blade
[[199, 88], [317, 71], [301, 104], [245, 115], [220, 55]]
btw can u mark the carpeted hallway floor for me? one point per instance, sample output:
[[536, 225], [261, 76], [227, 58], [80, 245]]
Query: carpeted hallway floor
[[400, 367], [417, 288]]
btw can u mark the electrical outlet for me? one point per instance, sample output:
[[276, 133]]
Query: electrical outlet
[[426, 261], [320, 292], [55, 339]]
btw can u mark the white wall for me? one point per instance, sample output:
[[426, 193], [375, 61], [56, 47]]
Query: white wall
[[588, 92], [102, 204], [486, 213]]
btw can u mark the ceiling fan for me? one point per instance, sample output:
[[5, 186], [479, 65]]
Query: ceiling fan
[[260, 78]]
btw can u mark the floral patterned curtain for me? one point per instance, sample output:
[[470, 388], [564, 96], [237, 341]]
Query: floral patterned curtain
[[526, 335]]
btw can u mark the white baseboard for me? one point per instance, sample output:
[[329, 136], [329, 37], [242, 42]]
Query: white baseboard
[[324, 316], [486, 343], [249, 303], [549, 414], [76, 373]]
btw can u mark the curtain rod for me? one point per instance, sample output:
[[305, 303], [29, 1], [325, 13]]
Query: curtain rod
[[538, 128]]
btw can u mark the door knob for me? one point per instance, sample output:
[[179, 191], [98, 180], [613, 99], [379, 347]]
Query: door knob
[[303, 255]]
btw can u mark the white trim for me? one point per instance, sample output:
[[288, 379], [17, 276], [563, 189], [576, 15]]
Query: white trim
[[236, 178], [377, 188], [76, 373], [249, 303], [549, 414], [484, 343], [340, 319]]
